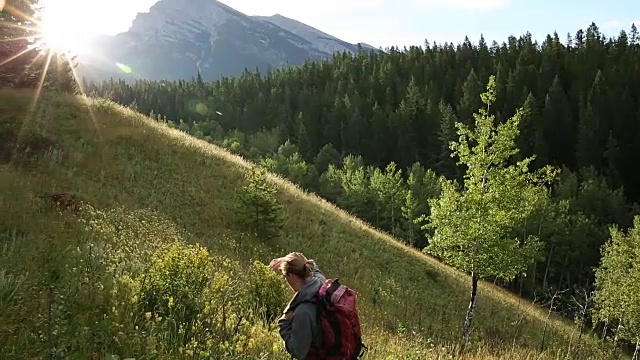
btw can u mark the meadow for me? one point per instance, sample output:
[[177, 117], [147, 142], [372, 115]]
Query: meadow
[[147, 261]]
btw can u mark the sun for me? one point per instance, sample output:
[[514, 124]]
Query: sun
[[65, 26]]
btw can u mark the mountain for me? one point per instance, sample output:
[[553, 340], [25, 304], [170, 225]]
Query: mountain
[[323, 41], [114, 225], [176, 38]]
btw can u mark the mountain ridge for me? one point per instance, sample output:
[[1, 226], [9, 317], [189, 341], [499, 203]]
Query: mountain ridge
[[302, 29], [174, 40]]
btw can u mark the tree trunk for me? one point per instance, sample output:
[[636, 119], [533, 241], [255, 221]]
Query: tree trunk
[[583, 318], [521, 285], [472, 305], [393, 216], [546, 270], [546, 322], [562, 274], [534, 274], [616, 337], [580, 272], [257, 224], [411, 236]]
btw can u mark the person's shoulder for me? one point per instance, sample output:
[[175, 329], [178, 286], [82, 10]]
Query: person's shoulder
[[308, 307]]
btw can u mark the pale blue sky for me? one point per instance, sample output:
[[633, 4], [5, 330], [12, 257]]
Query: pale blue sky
[[409, 22]]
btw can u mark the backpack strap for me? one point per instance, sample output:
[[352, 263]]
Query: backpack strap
[[334, 322], [324, 302], [335, 287]]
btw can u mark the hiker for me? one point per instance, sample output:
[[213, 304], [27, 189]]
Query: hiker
[[299, 327], [321, 320]]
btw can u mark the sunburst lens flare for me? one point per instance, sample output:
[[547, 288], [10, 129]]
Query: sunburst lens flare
[[63, 26], [202, 108]]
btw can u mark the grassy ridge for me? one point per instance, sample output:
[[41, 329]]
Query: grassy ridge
[[114, 158]]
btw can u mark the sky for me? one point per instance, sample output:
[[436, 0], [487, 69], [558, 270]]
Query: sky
[[384, 23]]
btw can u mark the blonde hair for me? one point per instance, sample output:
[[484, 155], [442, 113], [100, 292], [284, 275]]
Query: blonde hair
[[297, 264]]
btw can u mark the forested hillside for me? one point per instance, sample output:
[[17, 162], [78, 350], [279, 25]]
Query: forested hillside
[[122, 238], [371, 132]]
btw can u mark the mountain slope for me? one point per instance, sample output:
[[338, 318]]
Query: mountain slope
[[120, 162], [176, 38], [325, 42]]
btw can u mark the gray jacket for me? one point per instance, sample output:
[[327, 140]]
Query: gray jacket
[[303, 330]]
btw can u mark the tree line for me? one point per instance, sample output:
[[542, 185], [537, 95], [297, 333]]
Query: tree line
[[371, 132], [480, 227]]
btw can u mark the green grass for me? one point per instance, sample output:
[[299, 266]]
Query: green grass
[[72, 285]]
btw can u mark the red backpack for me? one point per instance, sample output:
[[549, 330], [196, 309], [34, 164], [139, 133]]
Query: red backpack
[[338, 316]]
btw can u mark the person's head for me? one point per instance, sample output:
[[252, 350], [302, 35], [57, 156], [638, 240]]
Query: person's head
[[296, 269]]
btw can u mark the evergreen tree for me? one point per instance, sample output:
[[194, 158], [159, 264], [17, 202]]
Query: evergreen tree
[[528, 129], [472, 225], [330, 186], [558, 124], [303, 141], [328, 155], [289, 163], [446, 165], [470, 100], [257, 208], [408, 116], [612, 161]]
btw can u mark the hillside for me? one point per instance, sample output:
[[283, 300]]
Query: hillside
[[400, 108], [71, 283]]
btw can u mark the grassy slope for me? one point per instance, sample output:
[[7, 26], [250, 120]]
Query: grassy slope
[[111, 156]]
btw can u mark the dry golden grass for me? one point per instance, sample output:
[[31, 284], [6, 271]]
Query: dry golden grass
[[412, 306]]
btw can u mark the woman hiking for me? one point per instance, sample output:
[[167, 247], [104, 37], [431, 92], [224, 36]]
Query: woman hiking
[[299, 326]]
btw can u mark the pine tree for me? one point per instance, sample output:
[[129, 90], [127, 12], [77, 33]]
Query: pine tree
[[330, 184], [587, 146], [528, 128], [289, 163], [557, 119], [635, 39], [447, 134], [408, 115], [303, 140], [612, 156], [470, 98], [328, 155], [257, 208], [472, 225]]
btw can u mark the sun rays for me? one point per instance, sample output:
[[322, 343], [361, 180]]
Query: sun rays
[[28, 58], [24, 46]]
